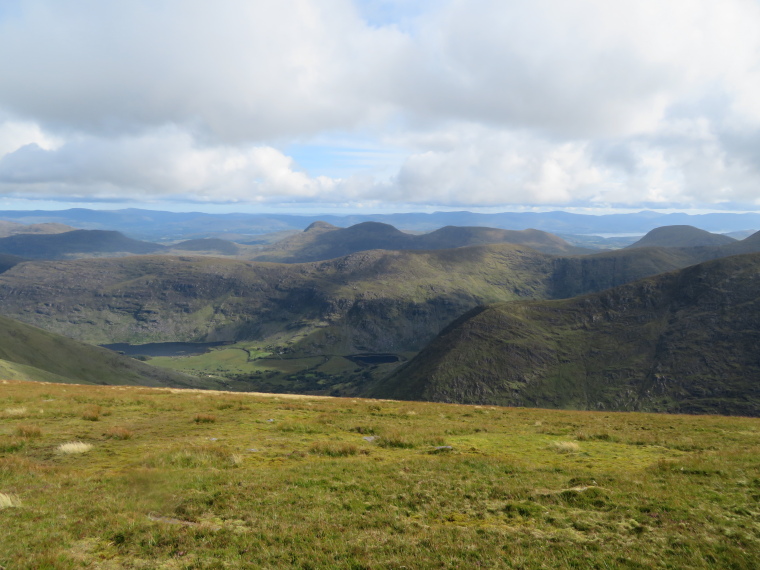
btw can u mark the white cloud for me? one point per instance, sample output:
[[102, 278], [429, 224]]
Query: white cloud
[[233, 70], [165, 163], [579, 68], [15, 134], [554, 102]]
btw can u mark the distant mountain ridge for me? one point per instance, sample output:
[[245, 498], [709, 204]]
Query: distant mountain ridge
[[324, 241], [680, 342], [172, 226]]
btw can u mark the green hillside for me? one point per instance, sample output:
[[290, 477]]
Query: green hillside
[[29, 353], [681, 342], [370, 301]]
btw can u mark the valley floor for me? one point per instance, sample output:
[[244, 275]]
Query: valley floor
[[125, 477]]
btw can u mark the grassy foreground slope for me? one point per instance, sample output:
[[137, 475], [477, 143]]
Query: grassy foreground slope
[[681, 342], [124, 477], [29, 353]]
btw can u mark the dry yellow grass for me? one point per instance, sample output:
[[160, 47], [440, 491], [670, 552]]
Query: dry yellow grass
[[565, 446], [74, 447], [8, 501], [15, 412]]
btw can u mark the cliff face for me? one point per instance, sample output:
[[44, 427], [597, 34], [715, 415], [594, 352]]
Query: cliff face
[[680, 342]]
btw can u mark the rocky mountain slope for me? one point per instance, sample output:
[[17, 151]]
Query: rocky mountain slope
[[684, 341]]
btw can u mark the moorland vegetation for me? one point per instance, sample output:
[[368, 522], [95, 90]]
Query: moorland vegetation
[[131, 477]]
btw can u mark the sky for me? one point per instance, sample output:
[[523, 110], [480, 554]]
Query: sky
[[380, 105]]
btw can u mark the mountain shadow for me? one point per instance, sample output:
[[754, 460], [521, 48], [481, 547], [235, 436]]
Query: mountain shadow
[[74, 243]]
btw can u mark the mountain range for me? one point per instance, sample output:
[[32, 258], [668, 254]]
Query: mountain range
[[336, 298], [320, 241], [173, 226], [324, 241]]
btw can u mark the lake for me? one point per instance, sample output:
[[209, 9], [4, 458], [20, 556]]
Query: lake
[[164, 348], [373, 358]]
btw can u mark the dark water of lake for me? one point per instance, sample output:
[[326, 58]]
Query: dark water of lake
[[373, 358], [163, 348]]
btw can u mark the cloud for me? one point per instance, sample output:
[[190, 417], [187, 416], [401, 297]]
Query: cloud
[[160, 164], [232, 71], [553, 102], [583, 68]]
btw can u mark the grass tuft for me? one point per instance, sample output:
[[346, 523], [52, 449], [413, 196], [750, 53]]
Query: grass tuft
[[26, 430], [117, 432], [92, 413], [196, 456], [564, 446], [602, 436], [8, 501], [74, 447], [333, 449], [296, 427], [397, 440], [204, 418]]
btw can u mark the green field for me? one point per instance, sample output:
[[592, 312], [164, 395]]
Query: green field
[[246, 367], [190, 479]]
